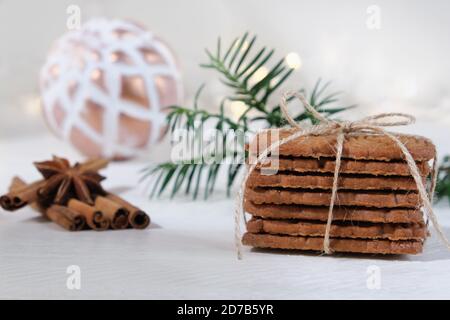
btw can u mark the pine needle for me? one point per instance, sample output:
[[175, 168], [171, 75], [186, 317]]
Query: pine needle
[[235, 68]]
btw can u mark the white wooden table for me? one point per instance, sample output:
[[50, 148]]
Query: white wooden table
[[187, 253]]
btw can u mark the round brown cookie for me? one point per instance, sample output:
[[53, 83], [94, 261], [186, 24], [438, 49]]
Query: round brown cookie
[[343, 198], [327, 165], [378, 215], [356, 146], [321, 181], [411, 231], [337, 245]]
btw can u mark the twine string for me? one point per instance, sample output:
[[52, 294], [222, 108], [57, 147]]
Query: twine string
[[369, 125], [339, 147]]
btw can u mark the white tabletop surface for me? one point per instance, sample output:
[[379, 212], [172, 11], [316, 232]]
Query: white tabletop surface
[[187, 253]]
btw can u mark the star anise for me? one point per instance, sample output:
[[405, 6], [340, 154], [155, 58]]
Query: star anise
[[63, 181]]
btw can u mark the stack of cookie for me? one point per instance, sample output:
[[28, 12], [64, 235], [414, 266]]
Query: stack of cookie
[[377, 208]]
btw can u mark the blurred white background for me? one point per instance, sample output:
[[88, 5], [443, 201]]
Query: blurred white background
[[402, 66]]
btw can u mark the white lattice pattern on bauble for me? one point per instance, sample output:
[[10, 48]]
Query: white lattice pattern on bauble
[[98, 41]]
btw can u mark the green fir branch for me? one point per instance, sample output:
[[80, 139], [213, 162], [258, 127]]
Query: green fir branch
[[236, 67], [443, 183]]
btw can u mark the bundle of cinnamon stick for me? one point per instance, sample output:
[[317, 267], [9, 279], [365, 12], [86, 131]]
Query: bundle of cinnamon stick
[[103, 211]]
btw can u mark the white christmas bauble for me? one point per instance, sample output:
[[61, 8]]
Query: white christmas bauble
[[104, 87]]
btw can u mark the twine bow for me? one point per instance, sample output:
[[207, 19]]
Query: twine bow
[[368, 125]]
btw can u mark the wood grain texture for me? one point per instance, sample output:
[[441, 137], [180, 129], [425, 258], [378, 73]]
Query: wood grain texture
[[187, 253]]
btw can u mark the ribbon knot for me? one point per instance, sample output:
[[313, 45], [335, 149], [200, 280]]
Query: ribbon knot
[[347, 126], [368, 125], [391, 119]]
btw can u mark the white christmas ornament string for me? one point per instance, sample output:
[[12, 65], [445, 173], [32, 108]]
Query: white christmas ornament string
[[104, 86]]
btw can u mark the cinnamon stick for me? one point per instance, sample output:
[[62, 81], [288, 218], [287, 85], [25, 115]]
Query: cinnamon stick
[[66, 218], [137, 218], [116, 213], [16, 184], [20, 196], [28, 194], [94, 217]]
